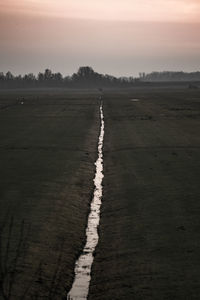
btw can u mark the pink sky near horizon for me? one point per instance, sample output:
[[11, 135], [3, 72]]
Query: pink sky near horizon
[[132, 10], [121, 37]]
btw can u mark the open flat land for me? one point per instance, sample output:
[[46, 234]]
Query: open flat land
[[150, 217], [150, 224], [47, 151]]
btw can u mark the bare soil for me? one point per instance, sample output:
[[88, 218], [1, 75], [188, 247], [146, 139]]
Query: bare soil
[[150, 227], [48, 146]]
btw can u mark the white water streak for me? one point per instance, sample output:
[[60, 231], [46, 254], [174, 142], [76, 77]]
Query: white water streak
[[80, 287]]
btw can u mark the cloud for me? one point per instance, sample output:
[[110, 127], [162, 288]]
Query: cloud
[[133, 10]]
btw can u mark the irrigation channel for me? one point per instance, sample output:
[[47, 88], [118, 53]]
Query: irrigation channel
[[80, 287]]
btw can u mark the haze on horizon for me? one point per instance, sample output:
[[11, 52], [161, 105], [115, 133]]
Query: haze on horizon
[[119, 37]]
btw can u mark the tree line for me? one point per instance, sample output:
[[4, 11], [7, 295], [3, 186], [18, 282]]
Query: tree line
[[170, 76], [84, 78]]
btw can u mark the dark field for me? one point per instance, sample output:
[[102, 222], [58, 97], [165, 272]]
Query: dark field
[[150, 223], [48, 147]]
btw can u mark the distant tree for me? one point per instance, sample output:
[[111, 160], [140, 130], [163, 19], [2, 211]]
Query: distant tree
[[40, 77], [85, 72], [9, 76], [172, 76], [47, 74], [2, 77], [58, 77], [86, 77]]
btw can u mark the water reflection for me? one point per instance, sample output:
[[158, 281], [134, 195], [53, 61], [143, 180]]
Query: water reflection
[[135, 100], [80, 287]]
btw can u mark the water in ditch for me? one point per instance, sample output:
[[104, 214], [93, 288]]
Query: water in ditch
[[80, 287]]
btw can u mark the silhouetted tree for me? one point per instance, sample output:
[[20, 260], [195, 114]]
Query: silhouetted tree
[[9, 76], [171, 76], [86, 77]]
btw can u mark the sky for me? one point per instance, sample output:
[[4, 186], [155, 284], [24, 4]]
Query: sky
[[118, 37]]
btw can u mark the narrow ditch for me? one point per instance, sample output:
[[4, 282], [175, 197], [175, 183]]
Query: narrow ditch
[[80, 287]]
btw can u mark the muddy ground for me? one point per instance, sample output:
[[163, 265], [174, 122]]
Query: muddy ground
[[150, 223], [149, 231], [48, 147]]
